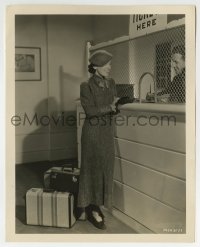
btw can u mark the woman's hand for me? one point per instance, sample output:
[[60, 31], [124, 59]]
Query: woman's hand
[[113, 105]]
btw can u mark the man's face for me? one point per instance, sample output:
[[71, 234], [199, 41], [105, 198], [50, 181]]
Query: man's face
[[178, 62]]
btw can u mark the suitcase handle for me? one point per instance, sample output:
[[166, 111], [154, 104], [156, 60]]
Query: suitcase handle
[[48, 190], [67, 166]]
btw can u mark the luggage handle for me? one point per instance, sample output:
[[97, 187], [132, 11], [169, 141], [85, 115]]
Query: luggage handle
[[48, 190], [67, 166]]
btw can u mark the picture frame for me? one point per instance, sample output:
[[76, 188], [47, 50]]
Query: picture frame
[[27, 64]]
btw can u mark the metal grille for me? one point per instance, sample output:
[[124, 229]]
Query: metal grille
[[150, 53]]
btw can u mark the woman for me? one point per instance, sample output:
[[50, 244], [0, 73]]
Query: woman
[[98, 98]]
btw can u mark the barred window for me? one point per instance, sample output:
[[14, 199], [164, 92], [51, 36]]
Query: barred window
[[163, 65], [149, 53]]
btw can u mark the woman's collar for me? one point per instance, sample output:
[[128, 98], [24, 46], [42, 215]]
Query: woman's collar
[[99, 76], [102, 82]]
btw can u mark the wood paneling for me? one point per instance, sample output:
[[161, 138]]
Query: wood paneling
[[154, 129], [139, 228], [167, 189], [63, 140], [149, 212], [63, 153], [27, 157], [43, 146], [33, 142], [162, 160]]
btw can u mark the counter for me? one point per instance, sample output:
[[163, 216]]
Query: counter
[[155, 107], [150, 167]]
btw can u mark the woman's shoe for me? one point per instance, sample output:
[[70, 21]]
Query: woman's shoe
[[97, 209], [100, 213], [98, 224], [95, 218]]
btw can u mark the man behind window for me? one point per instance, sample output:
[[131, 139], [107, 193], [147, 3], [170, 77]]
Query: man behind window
[[176, 88]]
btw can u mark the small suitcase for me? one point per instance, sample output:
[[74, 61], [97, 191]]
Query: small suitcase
[[46, 180], [62, 179], [49, 208], [65, 179]]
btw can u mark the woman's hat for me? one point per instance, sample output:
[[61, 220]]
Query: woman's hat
[[100, 58]]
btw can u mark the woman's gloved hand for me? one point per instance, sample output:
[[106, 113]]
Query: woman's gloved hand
[[114, 106], [120, 101], [124, 100]]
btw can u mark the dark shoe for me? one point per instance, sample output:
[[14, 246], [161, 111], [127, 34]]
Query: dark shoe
[[97, 209], [100, 213], [98, 224]]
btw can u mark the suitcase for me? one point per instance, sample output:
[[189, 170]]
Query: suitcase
[[65, 179], [62, 179], [49, 208], [46, 180]]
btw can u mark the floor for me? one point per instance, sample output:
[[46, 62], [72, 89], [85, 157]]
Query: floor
[[30, 176]]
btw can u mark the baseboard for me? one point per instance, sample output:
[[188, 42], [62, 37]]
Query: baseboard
[[59, 162], [135, 225]]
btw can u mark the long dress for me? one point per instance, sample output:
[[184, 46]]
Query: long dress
[[97, 143]]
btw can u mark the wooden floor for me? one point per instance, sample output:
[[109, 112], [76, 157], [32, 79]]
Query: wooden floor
[[30, 176]]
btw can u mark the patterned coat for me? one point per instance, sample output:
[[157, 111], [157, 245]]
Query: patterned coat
[[97, 143]]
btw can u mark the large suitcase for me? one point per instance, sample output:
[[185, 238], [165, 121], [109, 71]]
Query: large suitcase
[[49, 208]]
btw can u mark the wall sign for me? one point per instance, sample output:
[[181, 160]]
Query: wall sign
[[144, 24]]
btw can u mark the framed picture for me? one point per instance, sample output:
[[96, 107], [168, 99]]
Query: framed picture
[[27, 64]]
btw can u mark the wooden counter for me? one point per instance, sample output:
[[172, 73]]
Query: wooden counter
[[150, 167]]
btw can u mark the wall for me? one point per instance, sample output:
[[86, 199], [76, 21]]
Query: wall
[[108, 27], [67, 37], [174, 17], [62, 40], [32, 140]]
